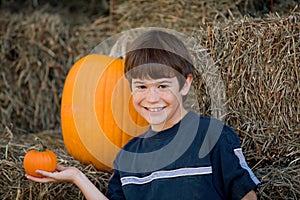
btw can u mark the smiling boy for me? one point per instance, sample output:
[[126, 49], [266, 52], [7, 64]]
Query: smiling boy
[[165, 162]]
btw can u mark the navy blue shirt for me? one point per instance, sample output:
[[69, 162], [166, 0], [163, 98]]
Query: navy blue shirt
[[198, 158]]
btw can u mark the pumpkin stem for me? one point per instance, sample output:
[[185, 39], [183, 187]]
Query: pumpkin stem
[[40, 145]]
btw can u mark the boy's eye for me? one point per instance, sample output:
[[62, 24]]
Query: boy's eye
[[140, 87], [163, 86]]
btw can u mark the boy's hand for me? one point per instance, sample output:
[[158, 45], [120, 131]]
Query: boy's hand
[[63, 174]]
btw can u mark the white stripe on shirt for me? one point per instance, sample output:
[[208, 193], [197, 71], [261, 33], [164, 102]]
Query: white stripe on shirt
[[239, 153], [166, 174]]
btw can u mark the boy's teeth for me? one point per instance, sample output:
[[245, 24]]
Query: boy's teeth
[[155, 109]]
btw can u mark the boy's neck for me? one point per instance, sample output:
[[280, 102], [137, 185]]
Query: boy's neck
[[162, 127]]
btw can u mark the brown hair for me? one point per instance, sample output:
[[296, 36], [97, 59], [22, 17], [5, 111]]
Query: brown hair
[[157, 54]]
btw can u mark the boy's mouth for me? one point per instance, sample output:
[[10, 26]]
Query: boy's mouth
[[156, 109]]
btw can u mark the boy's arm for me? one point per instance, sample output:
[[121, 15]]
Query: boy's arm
[[88, 188], [250, 196], [71, 175], [238, 181]]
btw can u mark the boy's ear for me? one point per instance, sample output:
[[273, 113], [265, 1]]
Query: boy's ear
[[187, 85]]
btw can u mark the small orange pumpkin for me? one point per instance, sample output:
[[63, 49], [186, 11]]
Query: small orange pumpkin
[[40, 158]]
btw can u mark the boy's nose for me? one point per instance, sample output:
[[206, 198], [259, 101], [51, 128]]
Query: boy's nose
[[152, 95]]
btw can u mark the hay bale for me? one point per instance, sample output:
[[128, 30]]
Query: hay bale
[[14, 184], [259, 61], [183, 16], [188, 15], [37, 51]]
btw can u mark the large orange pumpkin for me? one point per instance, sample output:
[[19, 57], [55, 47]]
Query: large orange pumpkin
[[97, 115]]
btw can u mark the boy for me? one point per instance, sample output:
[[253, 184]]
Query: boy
[[182, 155]]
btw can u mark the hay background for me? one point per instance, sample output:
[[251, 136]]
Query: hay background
[[257, 54]]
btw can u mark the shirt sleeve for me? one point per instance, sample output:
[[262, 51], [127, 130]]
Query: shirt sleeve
[[229, 163], [114, 190]]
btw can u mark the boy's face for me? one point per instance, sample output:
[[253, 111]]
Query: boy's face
[[159, 101]]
